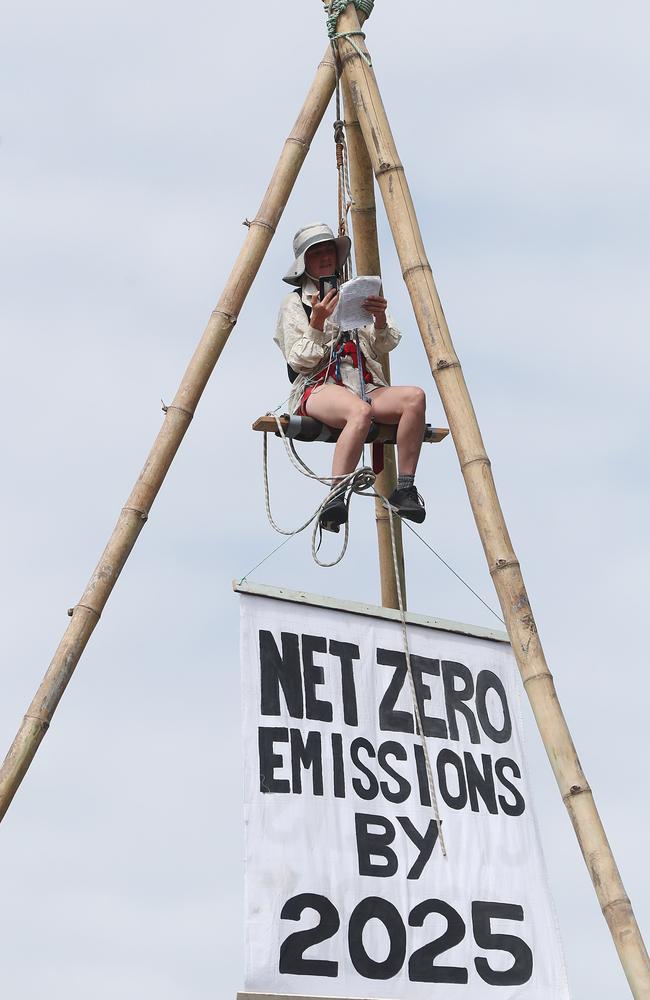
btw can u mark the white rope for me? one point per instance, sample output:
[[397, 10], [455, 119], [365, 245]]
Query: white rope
[[361, 482], [409, 667]]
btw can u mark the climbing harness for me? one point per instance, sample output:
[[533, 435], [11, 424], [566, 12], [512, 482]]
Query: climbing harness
[[346, 346]]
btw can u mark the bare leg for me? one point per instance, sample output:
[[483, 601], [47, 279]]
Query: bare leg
[[403, 405], [339, 407]]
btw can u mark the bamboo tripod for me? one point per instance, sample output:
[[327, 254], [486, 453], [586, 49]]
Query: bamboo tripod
[[364, 97]]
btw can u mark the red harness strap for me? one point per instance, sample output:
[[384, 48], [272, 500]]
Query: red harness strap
[[347, 349]]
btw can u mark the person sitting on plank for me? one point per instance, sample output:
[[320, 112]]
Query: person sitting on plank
[[338, 385]]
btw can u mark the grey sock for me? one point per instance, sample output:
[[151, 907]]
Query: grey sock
[[404, 481]]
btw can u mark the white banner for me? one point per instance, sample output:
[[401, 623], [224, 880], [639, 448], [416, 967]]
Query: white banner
[[348, 893]]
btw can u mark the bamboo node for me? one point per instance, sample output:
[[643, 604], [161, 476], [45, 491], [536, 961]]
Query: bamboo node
[[387, 168], [576, 790], [346, 58], [142, 514], [181, 409], [37, 718], [545, 675], [425, 266], [444, 365], [479, 458], [231, 317], [503, 564], [263, 223], [621, 901], [86, 607]]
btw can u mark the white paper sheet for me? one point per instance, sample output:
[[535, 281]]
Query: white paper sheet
[[350, 313]]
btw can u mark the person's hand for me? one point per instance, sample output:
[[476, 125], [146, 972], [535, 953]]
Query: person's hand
[[320, 311], [376, 305]]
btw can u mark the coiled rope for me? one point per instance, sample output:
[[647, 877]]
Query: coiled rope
[[360, 482]]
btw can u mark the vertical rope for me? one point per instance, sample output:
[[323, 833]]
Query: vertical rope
[[416, 704], [344, 190], [361, 481]]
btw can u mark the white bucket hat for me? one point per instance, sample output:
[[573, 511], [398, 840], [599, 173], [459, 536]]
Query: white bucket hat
[[308, 237]]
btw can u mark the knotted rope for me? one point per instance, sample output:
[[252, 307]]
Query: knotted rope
[[335, 10]]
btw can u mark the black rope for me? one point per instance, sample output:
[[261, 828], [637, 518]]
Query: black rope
[[452, 570]]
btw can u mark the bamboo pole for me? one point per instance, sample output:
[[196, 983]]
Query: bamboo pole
[[86, 614], [502, 561], [366, 254]]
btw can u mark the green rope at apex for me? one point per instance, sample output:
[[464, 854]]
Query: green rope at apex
[[334, 11]]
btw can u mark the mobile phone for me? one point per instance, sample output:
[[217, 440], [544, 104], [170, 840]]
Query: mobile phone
[[326, 285]]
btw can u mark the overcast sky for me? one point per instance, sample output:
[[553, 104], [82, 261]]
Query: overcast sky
[[135, 138]]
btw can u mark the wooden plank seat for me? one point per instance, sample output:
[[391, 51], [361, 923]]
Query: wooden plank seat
[[308, 429]]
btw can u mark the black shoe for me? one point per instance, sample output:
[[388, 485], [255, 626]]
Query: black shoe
[[408, 503], [333, 514]]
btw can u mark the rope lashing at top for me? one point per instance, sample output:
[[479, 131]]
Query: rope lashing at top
[[334, 11]]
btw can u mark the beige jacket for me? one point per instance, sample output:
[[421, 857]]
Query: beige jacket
[[307, 350]]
